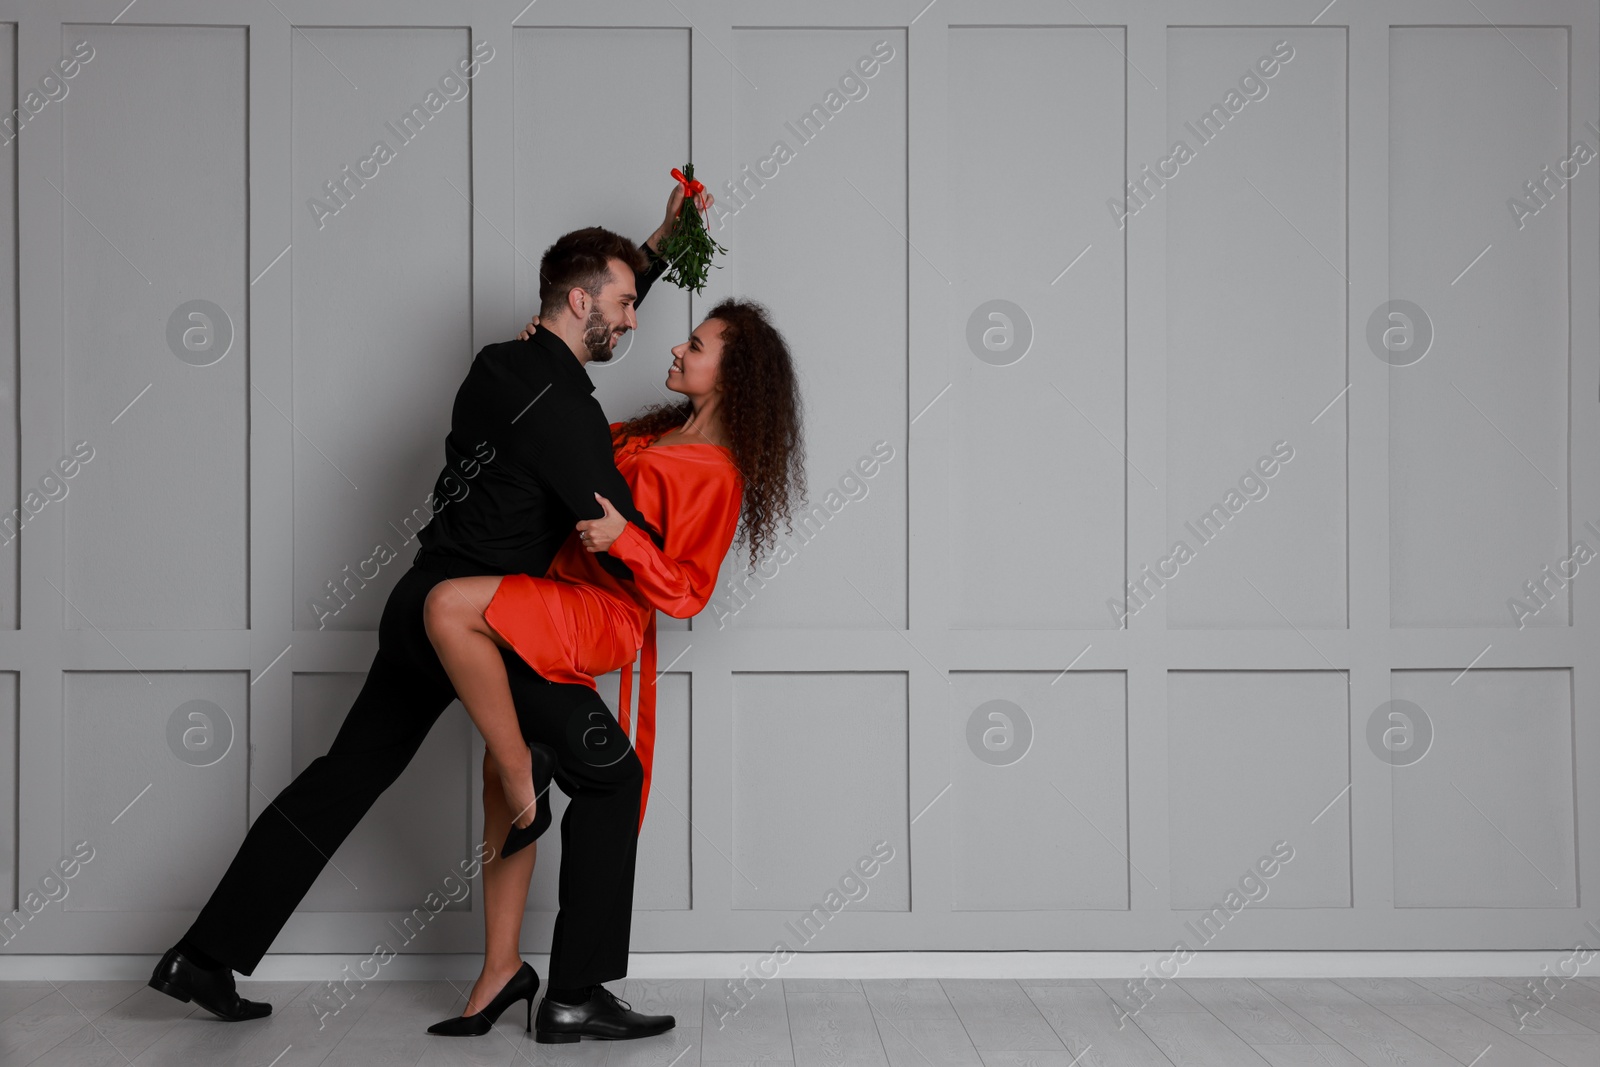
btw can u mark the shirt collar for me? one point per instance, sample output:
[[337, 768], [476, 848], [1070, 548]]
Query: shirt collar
[[556, 352]]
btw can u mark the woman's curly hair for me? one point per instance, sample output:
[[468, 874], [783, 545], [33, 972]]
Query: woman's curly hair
[[761, 410]]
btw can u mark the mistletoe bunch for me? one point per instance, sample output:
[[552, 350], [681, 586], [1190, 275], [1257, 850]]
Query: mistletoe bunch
[[687, 247]]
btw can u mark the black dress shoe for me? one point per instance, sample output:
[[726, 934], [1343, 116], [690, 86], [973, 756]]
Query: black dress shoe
[[179, 976], [604, 1015], [525, 983], [544, 768]]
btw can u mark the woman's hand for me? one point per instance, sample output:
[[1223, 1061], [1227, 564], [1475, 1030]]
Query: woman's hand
[[527, 331], [598, 535]]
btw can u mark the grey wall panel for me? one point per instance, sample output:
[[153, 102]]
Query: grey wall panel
[[10, 431], [382, 302], [663, 880], [1255, 758], [155, 535], [981, 160], [816, 216], [662, 875], [1485, 818], [1038, 385], [156, 776], [416, 831], [1039, 775], [818, 776], [626, 194], [1256, 280], [8, 790], [1477, 430]]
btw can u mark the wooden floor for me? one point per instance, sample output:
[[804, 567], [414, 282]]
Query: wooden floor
[[1190, 1022]]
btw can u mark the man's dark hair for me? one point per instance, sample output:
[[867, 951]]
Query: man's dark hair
[[581, 259]]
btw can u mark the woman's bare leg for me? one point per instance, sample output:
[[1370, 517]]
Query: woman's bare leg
[[505, 894], [469, 649]]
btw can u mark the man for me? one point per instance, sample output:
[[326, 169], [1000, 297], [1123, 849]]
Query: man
[[528, 432]]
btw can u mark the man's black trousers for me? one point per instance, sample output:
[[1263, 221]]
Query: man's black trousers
[[405, 692]]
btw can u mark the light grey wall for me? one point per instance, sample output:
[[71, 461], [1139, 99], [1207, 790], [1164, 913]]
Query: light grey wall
[[939, 660]]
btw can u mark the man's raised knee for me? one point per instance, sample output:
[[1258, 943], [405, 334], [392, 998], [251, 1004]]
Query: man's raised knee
[[630, 772]]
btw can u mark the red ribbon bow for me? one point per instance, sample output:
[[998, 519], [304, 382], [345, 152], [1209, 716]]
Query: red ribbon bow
[[690, 188]]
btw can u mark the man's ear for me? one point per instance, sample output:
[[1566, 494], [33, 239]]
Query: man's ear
[[576, 298]]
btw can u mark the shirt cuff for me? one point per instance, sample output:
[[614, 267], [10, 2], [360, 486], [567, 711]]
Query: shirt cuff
[[630, 527]]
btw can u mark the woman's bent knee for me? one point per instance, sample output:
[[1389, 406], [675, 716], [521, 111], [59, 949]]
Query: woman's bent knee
[[447, 610], [436, 609]]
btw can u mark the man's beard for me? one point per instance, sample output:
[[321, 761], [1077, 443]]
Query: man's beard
[[597, 336]]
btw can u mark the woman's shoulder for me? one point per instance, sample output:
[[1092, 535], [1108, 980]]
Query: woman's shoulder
[[702, 459], [691, 469]]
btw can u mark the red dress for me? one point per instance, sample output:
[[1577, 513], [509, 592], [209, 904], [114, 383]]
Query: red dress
[[579, 621]]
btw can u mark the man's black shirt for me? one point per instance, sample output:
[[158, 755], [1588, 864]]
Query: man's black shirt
[[528, 448]]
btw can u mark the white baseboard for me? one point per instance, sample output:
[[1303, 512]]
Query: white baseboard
[[721, 965]]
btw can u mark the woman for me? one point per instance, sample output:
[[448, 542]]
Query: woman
[[730, 450]]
